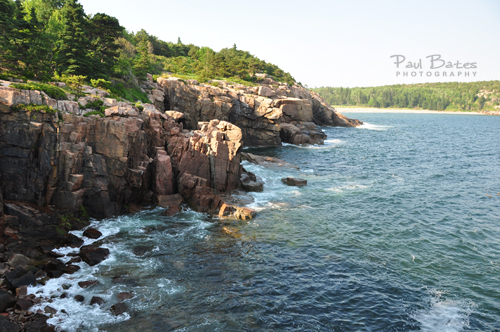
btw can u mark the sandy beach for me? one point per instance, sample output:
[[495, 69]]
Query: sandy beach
[[393, 110]]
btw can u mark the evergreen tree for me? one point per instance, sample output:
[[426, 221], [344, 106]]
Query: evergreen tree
[[7, 56], [72, 50], [103, 32]]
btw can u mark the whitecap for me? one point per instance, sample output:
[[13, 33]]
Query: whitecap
[[444, 315], [370, 126]]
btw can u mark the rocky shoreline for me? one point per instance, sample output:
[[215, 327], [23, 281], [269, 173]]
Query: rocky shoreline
[[59, 168]]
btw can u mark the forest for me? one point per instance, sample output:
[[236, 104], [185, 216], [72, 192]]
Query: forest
[[453, 96], [46, 40]]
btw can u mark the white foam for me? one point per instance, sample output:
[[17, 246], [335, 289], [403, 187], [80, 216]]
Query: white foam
[[334, 141], [444, 315], [347, 187], [370, 126]]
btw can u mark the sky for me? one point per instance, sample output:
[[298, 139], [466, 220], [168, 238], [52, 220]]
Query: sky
[[333, 43]]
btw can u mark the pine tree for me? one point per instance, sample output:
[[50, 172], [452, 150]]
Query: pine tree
[[103, 31], [7, 10], [72, 50]]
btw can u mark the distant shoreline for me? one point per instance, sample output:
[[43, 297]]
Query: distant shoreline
[[395, 110]]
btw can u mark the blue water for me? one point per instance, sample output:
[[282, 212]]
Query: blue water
[[398, 229]]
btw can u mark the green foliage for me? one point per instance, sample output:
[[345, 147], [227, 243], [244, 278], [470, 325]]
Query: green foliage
[[39, 38], [473, 96], [100, 83], [130, 94], [75, 82], [51, 90], [34, 108], [97, 105], [100, 113], [71, 53]]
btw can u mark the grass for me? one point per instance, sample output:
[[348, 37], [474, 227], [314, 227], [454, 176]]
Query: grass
[[100, 113], [34, 108], [51, 90], [130, 94]]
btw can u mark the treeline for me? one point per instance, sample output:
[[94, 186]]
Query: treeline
[[473, 96], [43, 38]]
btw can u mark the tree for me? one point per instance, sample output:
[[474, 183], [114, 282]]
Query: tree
[[142, 61], [72, 50], [7, 10], [103, 32]]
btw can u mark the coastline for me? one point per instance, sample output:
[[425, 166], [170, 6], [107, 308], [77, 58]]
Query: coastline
[[394, 110]]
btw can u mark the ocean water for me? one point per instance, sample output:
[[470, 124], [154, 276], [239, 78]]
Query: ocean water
[[398, 229]]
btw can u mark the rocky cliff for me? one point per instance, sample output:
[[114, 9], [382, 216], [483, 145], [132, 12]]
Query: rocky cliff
[[268, 114], [104, 164], [184, 146]]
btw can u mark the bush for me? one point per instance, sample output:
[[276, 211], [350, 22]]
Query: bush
[[34, 108], [100, 83], [75, 82], [51, 90], [97, 105], [130, 94], [100, 113]]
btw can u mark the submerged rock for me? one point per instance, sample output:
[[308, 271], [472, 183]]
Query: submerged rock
[[119, 308], [97, 300], [87, 284]]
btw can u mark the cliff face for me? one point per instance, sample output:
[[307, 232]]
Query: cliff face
[[104, 164], [260, 111], [186, 145]]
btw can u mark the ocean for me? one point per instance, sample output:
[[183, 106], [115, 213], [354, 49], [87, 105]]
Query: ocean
[[398, 229]]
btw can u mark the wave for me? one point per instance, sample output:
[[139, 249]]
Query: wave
[[370, 126], [444, 315]]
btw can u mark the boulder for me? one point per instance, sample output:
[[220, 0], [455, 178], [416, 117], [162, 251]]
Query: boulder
[[249, 182], [79, 298], [92, 233], [38, 323], [294, 181], [24, 305], [172, 210], [93, 255], [18, 260], [266, 161], [169, 200], [97, 300], [87, 284], [119, 308], [125, 296], [7, 326], [6, 300], [20, 277]]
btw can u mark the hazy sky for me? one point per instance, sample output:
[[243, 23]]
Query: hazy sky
[[331, 43]]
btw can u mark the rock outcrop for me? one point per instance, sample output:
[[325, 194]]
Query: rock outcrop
[[102, 164], [259, 111]]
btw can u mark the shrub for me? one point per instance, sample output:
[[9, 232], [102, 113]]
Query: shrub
[[100, 83], [51, 90], [97, 105], [75, 82], [130, 94], [100, 113], [34, 108]]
